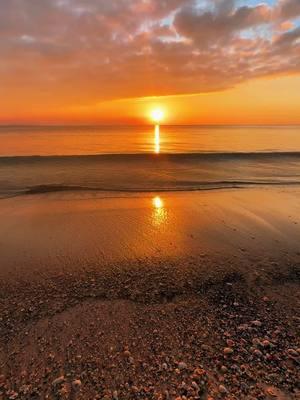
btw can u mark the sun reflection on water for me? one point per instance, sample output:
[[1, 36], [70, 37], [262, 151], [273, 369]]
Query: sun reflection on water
[[159, 215], [157, 139], [157, 202]]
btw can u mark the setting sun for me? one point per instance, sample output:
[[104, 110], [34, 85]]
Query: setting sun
[[157, 115]]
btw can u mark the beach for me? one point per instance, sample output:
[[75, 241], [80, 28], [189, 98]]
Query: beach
[[150, 295], [149, 200]]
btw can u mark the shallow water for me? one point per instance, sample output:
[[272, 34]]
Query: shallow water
[[74, 230], [141, 159]]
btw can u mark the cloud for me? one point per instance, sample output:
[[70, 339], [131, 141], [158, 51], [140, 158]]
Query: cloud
[[288, 8], [289, 38], [84, 50], [214, 27]]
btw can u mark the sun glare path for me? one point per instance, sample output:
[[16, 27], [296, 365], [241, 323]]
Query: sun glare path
[[157, 139], [159, 215]]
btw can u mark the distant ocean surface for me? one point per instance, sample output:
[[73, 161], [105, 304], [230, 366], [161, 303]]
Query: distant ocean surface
[[138, 159]]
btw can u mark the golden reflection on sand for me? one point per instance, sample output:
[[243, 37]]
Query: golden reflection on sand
[[157, 139], [159, 215]]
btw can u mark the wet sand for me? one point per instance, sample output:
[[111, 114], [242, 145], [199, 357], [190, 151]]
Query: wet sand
[[159, 296]]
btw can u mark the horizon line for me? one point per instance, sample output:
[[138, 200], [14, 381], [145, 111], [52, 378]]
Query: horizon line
[[83, 125]]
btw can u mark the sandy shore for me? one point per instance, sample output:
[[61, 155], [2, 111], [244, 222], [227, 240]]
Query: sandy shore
[[192, 296]]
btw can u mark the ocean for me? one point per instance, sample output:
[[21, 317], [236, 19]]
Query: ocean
[[142, 159]]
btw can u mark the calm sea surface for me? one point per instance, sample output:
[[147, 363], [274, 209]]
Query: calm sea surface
[[133, 159], [45, 141]]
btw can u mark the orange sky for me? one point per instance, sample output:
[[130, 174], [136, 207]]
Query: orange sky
[[260, 101], [204, 62]]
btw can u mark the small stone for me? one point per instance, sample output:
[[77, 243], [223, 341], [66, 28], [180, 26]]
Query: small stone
[[127, 353], [230, 343], [58, 381], [224, 369], [115, 395], [76, 384], [293, 353], [182, 365], [257, 353], [205, 347], [199, 374], [256, 323], [228, 350], [222, 389], [266, 343], [270, 391]]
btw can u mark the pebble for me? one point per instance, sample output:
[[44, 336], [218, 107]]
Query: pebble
[[228, 350], [115, 395], [293, 353], [266, 343], [256, 323], [257, 353], [222, 389], [205, 347], [230, 343], [182, 365], [271, 392], [76, 384], [58, 381]]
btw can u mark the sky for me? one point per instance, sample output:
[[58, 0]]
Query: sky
[[100, 61]]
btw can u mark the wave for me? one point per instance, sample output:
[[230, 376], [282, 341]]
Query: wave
[[146, 173], [161, 156], [202, 186]]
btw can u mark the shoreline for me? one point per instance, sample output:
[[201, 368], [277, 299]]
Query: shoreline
[[64, 232], [211, 311]]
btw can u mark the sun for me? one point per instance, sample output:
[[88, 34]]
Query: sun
[[157, 115]]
